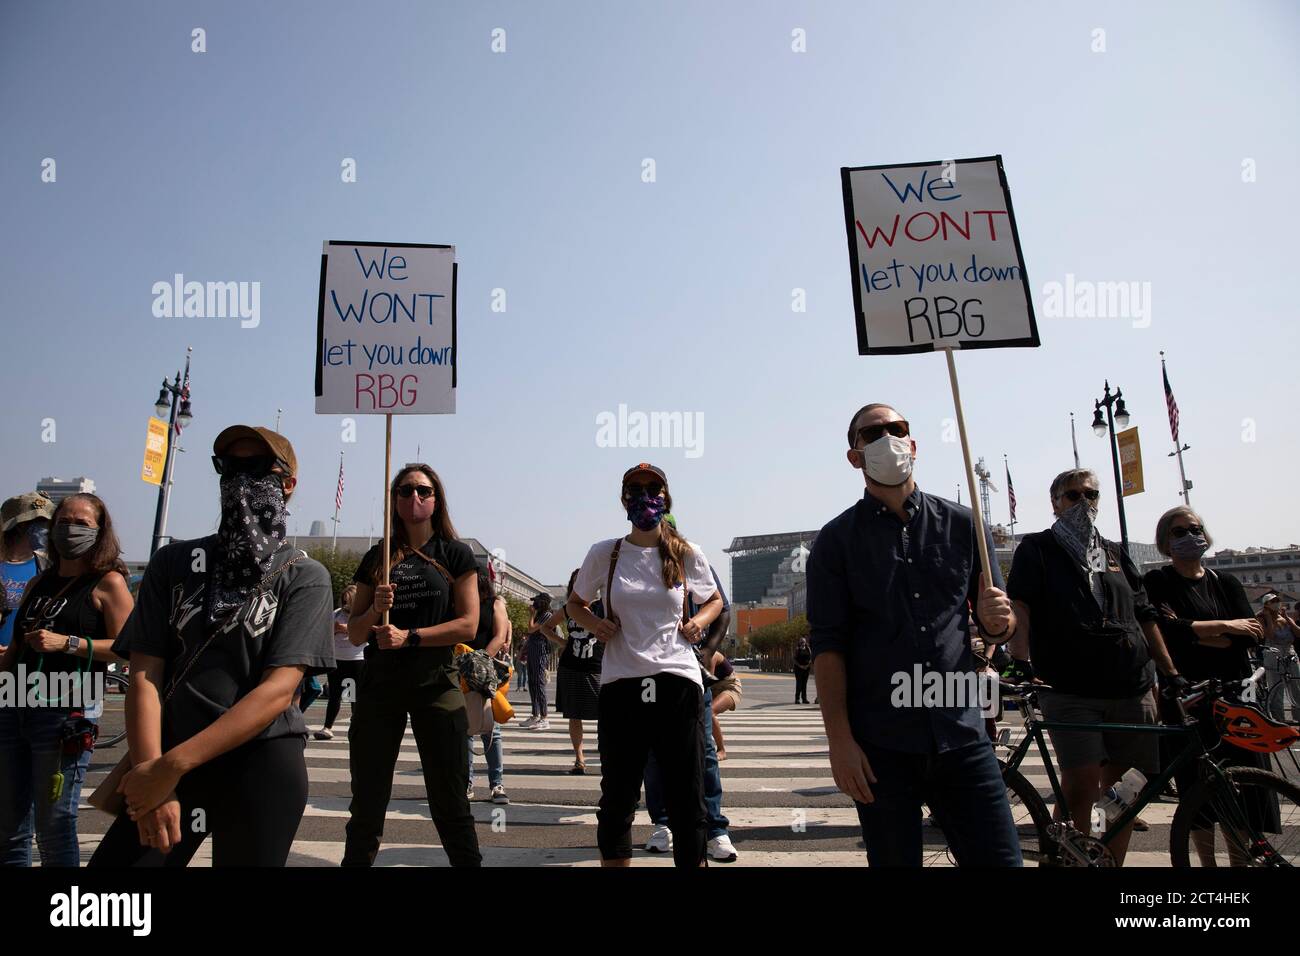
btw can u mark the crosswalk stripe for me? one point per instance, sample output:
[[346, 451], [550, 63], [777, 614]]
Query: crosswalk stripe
[[783, 806]]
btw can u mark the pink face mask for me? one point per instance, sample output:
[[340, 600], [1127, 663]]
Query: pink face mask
[[413, 509]]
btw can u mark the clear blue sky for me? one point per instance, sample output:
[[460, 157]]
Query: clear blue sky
[[671, 296]]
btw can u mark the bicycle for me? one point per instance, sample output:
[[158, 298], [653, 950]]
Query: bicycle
[[118, 684], [1224, 791]]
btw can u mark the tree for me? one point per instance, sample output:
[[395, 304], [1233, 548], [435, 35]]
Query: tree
[[342, 566]]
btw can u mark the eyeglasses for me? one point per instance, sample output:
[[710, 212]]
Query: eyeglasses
[[651, 489], [255, 466], [424, 491], [1074, 494], [873, 433], [1183, 531]]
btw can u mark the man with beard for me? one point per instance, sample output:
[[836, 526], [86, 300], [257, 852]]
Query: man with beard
[[889, 582], [222, 634]]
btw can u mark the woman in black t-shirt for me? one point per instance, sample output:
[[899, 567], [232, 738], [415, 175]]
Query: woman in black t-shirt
[[64, 629], [433, 604], [577, 678], [1208, 627]]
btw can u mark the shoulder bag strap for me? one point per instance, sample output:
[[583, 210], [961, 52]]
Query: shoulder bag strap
[[451, 584], [609, 581]]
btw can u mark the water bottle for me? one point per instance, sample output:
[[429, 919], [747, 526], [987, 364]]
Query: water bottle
[[1115, 800]]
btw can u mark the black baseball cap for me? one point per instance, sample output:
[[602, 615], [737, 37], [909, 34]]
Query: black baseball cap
[[649, 469]]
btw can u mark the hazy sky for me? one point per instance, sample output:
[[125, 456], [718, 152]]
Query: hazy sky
[[1167, 158]]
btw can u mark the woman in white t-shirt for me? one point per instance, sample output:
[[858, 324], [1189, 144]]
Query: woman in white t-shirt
[[651, 692], [349, 661]]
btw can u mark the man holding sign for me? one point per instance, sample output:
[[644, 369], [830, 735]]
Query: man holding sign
[[890, 582]]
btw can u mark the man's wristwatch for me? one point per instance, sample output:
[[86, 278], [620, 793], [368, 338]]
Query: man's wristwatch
[[413, 637], [74, 642]]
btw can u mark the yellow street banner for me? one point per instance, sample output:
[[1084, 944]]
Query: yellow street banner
[[155, 452], [1130, 461]]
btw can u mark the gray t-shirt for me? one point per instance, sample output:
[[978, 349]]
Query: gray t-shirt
[[289, 625]]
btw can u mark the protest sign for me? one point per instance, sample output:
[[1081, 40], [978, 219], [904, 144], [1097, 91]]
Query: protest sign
[[386, 329], [936, 265], [936, 257]]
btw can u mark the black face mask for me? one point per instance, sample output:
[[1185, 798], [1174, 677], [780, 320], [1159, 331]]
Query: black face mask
[[252, 530]]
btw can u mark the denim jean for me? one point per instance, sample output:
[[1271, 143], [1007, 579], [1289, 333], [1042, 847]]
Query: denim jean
[[492, 751], [654, 787], [964, 790], [31, 753]]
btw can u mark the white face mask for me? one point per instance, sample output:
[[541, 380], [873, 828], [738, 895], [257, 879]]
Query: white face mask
[[888, 460]]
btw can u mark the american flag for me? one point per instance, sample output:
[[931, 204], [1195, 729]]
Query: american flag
[[338, 495], [1172, 405], [1011, 494]]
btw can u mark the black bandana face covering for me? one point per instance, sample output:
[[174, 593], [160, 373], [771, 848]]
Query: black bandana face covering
[[252, 530]]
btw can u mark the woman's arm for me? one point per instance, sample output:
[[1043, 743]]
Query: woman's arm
[[151, 780], [500, 628], [459, 630], [547, 627], [694, 628]]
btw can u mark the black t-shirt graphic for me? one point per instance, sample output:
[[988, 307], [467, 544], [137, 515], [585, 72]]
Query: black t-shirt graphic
[[423, 598], [582, 652], [290, 625]]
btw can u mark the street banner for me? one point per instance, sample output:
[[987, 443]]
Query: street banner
[[155, 452], [1130, 461], [386, 329], [936, 257]]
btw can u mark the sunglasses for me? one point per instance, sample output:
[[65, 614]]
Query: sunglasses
[[1074, 494], [1184, 531], [873, 433], [255, 466], [651, 489], [424, 491]]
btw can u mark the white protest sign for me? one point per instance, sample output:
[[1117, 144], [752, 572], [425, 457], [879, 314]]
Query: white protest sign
[[386, 329], [936, 258]]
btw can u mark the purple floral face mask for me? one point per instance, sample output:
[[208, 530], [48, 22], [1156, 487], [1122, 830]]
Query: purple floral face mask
[[645, 512]]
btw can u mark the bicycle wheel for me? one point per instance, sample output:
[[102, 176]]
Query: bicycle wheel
[[112, 725], [1030, 815], [1275, 705], [1237, 840]]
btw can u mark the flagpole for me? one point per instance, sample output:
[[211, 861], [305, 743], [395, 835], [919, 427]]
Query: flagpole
[[1074, 441], [1178, 448], [334, 544]]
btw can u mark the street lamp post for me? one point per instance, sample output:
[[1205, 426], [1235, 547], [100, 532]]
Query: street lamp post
[[176, 395], [1115, 412]]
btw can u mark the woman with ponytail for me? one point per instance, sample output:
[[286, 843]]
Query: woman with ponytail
[[651, 692], [433, 602]]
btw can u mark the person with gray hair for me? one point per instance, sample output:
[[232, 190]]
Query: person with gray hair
[[1206, 621], [1093, 636]]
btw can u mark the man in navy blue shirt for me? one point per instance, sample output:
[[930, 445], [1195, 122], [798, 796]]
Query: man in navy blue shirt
[[891, 582]]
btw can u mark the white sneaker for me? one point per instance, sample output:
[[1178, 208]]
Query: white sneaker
[[469, 792], [528, 724], [661, 841], [720, 849], [324, 734], [542, 724], [499, 794]]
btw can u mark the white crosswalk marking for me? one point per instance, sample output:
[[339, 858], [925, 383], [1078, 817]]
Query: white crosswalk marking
[[779, 796]]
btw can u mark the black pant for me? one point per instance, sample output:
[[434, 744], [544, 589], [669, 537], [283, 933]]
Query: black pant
[[800, 685], [640, 716], [250, 800], [343, 671], [374, 742]]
